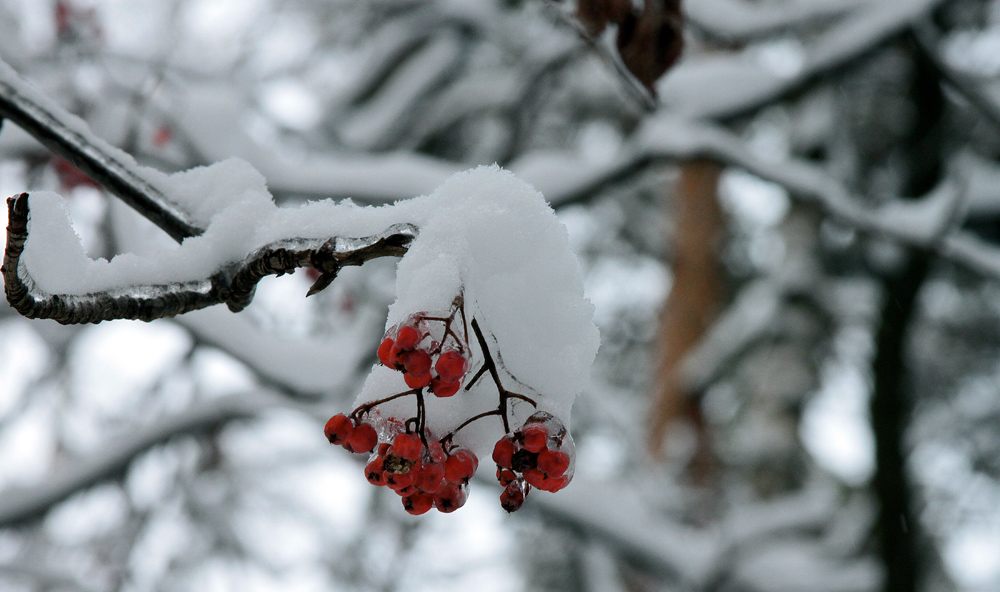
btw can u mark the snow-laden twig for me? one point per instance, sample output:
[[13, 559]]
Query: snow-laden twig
[[19, 505], [929, 222], [301, 367], [611, 513], [233, 284], [721, 87], [70, 138], [740, 21], [749, 318]]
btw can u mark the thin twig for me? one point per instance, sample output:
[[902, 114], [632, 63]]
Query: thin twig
[[630, 84]]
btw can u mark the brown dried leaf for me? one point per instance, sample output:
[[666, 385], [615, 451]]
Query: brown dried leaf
[[595, 15], [651, 42]]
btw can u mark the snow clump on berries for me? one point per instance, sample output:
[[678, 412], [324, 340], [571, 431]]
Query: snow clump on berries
[[491, 237]]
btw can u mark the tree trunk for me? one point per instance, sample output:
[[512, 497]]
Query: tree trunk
[[694, 299]]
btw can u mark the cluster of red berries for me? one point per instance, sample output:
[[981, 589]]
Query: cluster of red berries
[[428, 352], [428, 472], [351, 434], [421, 470], [539, 455], [424, 474]]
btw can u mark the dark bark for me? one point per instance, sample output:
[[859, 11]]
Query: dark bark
[[898, 528]]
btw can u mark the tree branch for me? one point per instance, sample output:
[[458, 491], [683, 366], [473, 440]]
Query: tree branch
[[21, 505], [233, 285], [70, 138]]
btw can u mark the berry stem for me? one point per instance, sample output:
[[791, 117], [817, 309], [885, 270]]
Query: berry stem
[[475, 378], [447, 439], [421, 417], [489, 364], [523, 398], [367, 407]]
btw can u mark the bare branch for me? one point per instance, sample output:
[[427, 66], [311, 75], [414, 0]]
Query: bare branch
[[233, 285]]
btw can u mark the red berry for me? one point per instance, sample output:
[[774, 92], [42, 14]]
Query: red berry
[[386, 354], [414, 382], [363, 439], [338, 429], [428, 477], [505, 476], [451, 366], [503, 452], [535, 437], [418, 503], [553, 462], [407, 446], [460, 466], [538, 479], [449, 499], [513, 496], [374, 472], [557, 483], [383, 449], [535, 478], [401, 484], [444, 389], [417, 363], [407, 338]]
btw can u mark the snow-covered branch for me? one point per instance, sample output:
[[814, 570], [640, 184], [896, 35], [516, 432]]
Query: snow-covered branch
[[18, 506], [70, 138], [720, 87], [232, 284], [733, 20]]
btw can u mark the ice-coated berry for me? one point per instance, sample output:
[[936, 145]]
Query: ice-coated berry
[[553, 462], [407, 338], [503, 452], [418, 503], [512, 497], [401, 484], [417, 363], [538, 479], [338, 429], [460, 466], [428, 477], [414, 382], [362, 439], [450, 498], [444, 389], [505, 476], [535, 437], [451, 366], [534, 477], [407, 447], [386, 354], [374, 472]]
